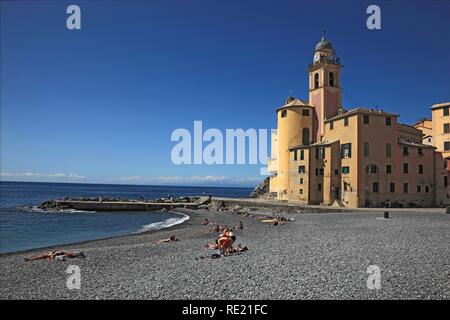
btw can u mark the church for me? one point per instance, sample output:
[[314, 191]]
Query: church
[[325, 154]]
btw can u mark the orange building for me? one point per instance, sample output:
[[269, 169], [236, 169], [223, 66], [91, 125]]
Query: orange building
[[325, 154]]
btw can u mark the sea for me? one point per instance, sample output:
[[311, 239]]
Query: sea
[[23, 226]]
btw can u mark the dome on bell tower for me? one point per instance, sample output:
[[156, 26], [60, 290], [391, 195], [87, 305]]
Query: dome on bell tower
[[323, 43], [324, 52]]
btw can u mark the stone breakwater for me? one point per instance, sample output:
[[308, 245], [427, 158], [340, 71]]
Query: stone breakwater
[[116, 204]]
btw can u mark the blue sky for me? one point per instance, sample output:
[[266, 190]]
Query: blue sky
[[99, 104]]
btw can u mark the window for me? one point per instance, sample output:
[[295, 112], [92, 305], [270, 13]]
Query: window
[[420, 151], [331, 125], [301, 191], [405, 187], [446, 127], [392, 187], [345, 185], [331, 79], [446, 182], [346, 150], [375, 187], [283, 113], [302, 154], [388, 169], [305, 136], [366, 119], [295, 155], [316, 80], [405, 168], [366, 149], [320, 153], [420, 168], [445, 110], [345, 121], [345, 170], [405, 151], [388, 121], [319, 187], [336, 172], [321, 171], [305, 112], [447, 145], [427, 189], [371, 168], [301, 180], [317, 171], [301, 169], [388, 150], [419, 189]]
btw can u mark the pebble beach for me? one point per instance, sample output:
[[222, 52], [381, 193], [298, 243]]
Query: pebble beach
[[318, 256]]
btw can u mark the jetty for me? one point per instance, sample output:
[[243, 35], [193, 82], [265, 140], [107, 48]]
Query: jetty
[[112, 204], [122, 206]]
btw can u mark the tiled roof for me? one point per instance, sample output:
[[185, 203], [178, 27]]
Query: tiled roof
[[312, 145], [296, 103], [414, 144], [364, 111], [440, 105]]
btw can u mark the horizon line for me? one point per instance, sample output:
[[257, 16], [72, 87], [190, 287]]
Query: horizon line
[[125, 184]]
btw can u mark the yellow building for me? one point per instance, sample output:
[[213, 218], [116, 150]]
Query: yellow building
[[325, 154]]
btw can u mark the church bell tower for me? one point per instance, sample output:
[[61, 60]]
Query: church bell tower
[[325, 93]]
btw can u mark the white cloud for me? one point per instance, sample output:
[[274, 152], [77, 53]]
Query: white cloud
[[150, 180], [59, 175]]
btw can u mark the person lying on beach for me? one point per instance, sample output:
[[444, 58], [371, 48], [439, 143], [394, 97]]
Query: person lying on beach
[[274, 222], [56, 255], [205, 222], [213, 246], [240, 248], [170, 239]]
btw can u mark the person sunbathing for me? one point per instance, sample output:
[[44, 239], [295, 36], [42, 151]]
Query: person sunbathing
[[213, 246], [57, 254], [230, 234], [240, 248], [170, 239], [225, 244], [276, 221], [205, 222], [226, 240]]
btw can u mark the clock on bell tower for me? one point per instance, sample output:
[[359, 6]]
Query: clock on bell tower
[[324, 85]]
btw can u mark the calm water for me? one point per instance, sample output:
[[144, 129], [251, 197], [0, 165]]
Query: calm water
[[21, 230]]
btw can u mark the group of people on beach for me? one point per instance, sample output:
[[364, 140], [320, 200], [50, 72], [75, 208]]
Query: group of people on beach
[[225, 241]]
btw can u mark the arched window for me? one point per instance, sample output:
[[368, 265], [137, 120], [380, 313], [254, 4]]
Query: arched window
[[371, 168], [331, 79], [305, 136], [316, 80]]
